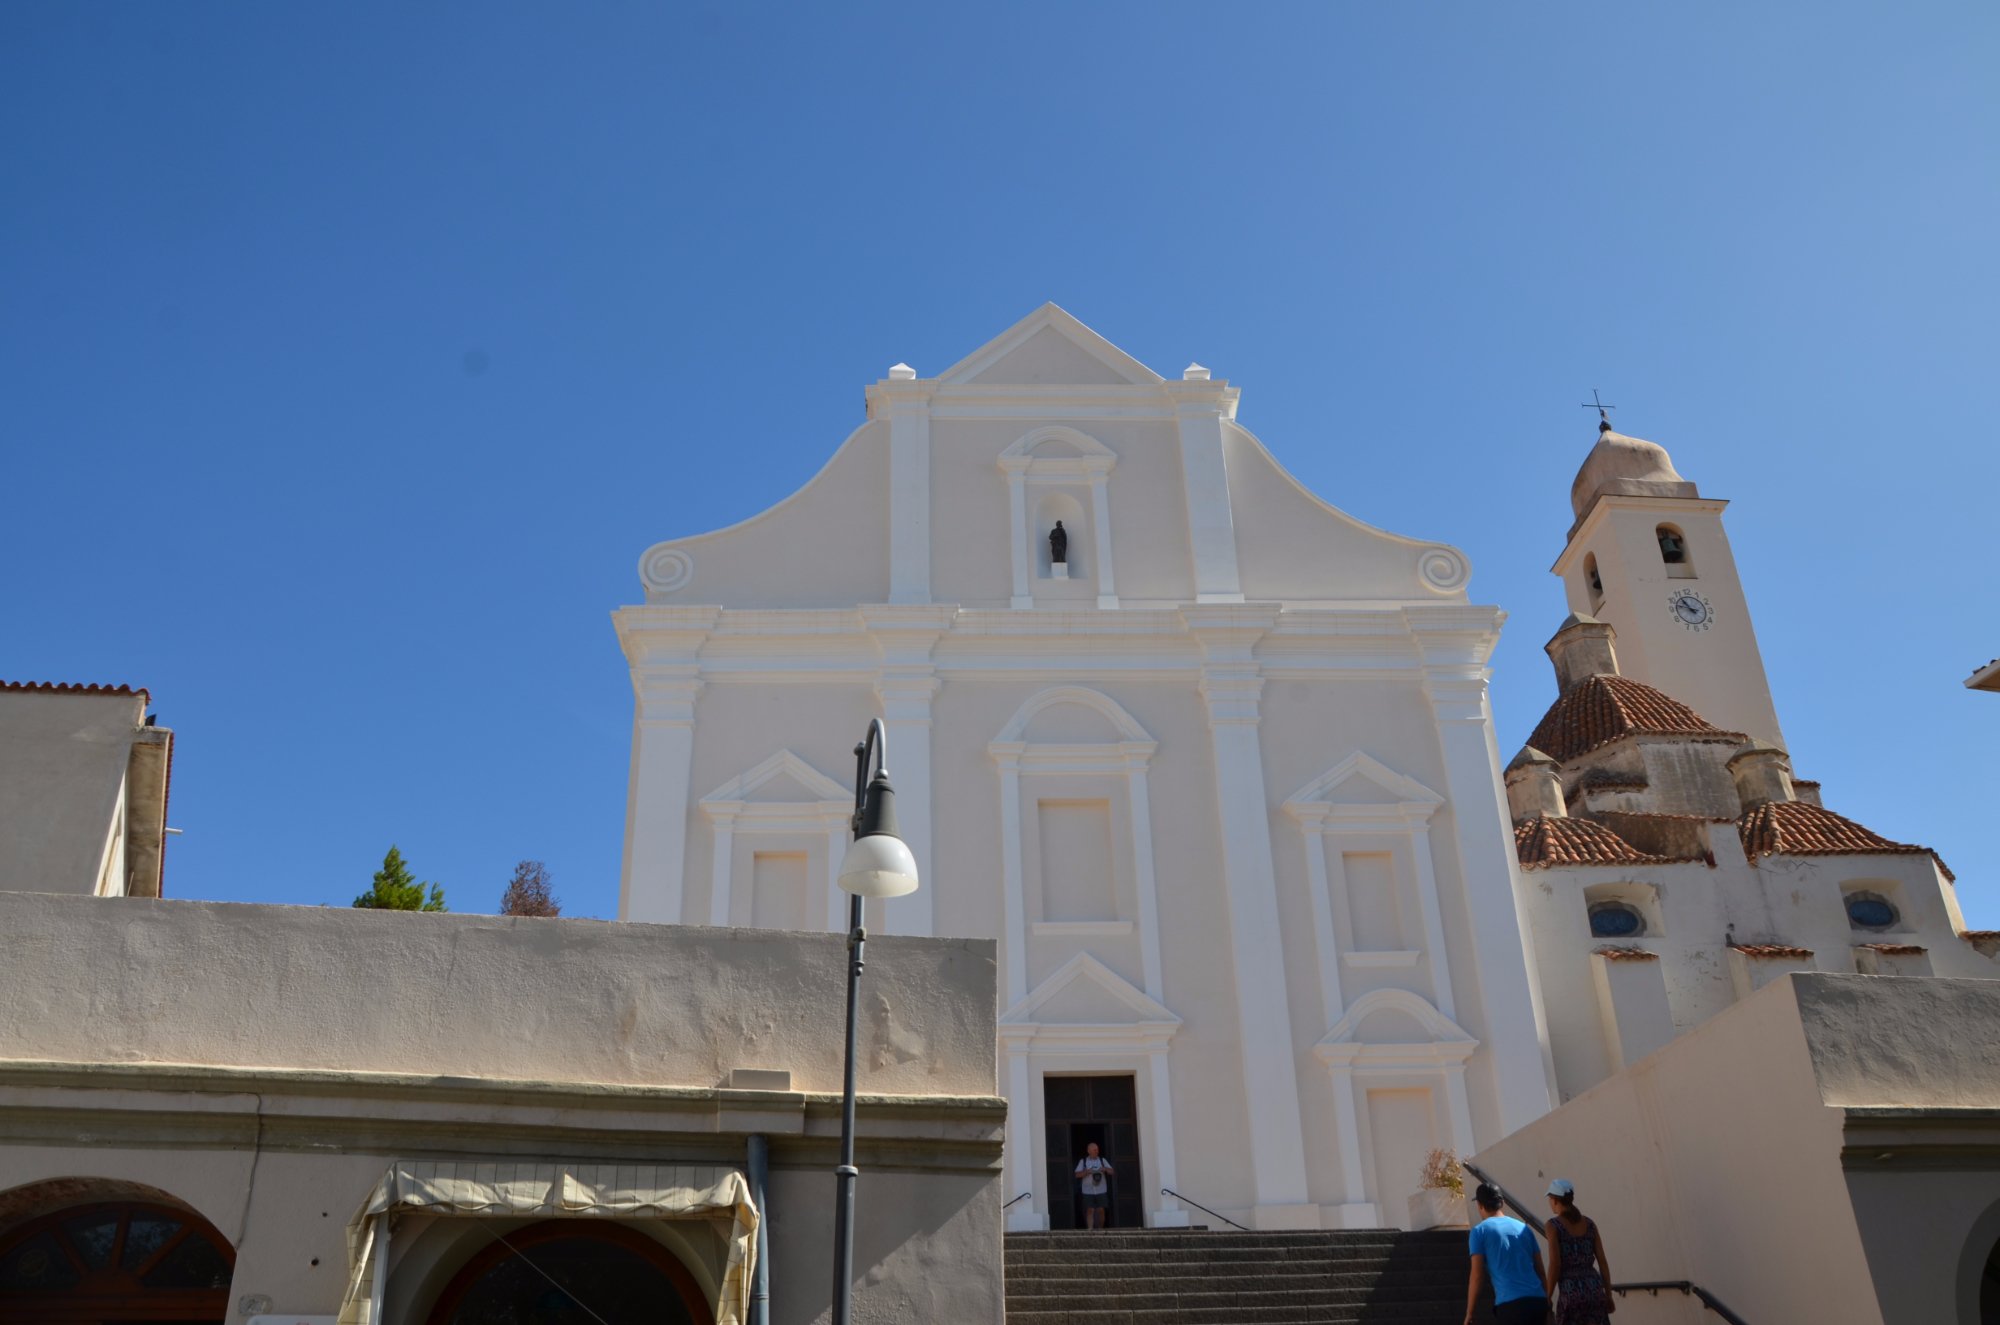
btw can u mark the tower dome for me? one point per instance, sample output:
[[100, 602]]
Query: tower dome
[[1626, 465]]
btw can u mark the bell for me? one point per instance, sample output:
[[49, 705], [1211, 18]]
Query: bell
[[1672, 550]]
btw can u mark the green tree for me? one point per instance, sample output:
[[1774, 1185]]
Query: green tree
[[396, 889]]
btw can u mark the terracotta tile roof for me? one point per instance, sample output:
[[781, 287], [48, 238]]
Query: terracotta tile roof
[[1601, 709], [1547, 840], [1627, 955], [1979, 934], [1770, 950], [1894, 949], [1797, 828], [69, 688]]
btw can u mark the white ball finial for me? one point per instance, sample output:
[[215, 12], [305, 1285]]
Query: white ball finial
[[1194, 372], [902, 372]]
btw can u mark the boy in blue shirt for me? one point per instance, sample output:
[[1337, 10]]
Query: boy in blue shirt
[[1505, 1248]]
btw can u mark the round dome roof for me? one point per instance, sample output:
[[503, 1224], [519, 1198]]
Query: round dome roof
[[1626, 465]]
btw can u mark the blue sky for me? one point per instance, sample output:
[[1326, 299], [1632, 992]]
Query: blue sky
[[351, 354]]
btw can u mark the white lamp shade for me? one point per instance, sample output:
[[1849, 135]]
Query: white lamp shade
[[878, 866]]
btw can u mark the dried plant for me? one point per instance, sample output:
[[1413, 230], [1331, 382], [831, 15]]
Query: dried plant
[[1441, 1170]]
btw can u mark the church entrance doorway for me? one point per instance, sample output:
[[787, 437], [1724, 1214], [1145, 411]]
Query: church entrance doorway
[[1077, 1111]]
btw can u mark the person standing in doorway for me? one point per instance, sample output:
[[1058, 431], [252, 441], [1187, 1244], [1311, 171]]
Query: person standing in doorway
[[1504, 1249], [1576, 1262], [1095, 1172]]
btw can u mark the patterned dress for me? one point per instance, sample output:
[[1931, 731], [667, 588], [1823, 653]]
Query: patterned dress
[[1583, 1299]]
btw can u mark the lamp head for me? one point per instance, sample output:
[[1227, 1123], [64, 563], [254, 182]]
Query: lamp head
[[878, 862]]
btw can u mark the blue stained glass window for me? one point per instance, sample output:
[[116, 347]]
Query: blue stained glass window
[[1615, 921], [1867, 912]]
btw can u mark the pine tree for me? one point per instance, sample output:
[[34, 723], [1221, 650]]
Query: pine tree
[[528, 892], [396, 889]]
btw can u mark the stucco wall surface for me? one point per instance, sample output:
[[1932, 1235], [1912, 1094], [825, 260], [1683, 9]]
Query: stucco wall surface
[[62, 766], [485, 996], [265, 1065], [1729, 1157]]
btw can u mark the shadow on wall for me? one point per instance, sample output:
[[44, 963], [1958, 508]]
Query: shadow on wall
[[940, 1232]]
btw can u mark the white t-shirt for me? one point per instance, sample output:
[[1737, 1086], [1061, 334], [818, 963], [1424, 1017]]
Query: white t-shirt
[[1092, 1172]]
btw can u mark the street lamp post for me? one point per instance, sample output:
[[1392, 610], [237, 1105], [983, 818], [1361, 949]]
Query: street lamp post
[[878, 864]]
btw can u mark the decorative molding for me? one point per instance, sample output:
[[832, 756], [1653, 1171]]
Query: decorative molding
[[1150, 1018], [1409, 957], [664, 569], [1080, 929], [1126, 758], [1443, 569], [824, 820], [1127, 725], [1400, 809]]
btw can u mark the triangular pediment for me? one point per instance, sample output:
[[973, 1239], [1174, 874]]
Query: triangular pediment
[[1083, 991], [782, 779], [1362, 781], [1049, 348]]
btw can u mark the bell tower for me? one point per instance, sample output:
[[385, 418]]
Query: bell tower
[[1648, 555]]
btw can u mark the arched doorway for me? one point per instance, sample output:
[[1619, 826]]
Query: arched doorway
[[573, 1272], [115, 1261]]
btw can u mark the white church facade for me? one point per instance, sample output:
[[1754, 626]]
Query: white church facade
[[1216, 769]]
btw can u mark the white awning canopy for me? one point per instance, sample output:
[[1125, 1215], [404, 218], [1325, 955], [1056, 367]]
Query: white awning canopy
[[504, 1190]]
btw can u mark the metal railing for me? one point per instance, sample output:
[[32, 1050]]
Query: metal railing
[[1016, 1201], [1168, 1191], [1656, 1287]]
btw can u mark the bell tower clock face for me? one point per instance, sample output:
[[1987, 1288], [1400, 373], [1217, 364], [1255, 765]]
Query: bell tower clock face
[[1690, 609]]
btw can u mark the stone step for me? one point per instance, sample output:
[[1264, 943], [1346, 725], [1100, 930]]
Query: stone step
[[1167, 1277], [1222, 1258], [1398, 1280]]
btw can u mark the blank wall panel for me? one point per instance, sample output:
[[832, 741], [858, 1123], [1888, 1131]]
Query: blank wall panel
[[1076, 860], [1372, 902], [1403, 1129]]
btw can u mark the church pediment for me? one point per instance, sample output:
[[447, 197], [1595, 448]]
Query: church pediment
[[1363, 785], [1049, 348], [782, 779], [1086, 992], [1394, 1027]]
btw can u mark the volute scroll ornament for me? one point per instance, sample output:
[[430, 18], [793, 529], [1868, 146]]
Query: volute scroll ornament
[[1443, 569], [665, 569]]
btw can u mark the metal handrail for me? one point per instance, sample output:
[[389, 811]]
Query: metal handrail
[[1656, 1287], [1016, 1201], [1168, 1191]]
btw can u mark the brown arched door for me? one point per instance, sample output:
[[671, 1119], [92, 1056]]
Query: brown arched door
[[115, 1261], [573, 1272]]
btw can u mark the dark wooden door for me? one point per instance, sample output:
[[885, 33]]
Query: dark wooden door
[[1077, 1111]]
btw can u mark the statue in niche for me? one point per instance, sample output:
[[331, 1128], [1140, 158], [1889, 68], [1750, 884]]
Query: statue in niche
[[1058, 545]]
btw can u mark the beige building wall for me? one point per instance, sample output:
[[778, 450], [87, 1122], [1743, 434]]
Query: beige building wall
[[1824, 1151], [83, 791], [265, 1066]]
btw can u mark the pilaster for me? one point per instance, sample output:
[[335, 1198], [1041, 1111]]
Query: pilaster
[[1231, 684], [662, 647], [1201, 410], [905, 682], [1454, 644], [907, 404]]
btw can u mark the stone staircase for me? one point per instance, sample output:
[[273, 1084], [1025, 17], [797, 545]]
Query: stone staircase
[[1147, 1277]]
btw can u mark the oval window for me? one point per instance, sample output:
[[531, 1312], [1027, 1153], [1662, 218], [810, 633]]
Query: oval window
[[1867, 911], [1616, 920]]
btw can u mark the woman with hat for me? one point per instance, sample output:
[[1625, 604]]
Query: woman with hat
[[1577, 1268]]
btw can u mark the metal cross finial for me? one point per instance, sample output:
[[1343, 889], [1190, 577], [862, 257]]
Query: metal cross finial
[[1604, 420]]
